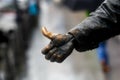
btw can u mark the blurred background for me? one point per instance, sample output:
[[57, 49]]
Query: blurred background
[[21, 42]]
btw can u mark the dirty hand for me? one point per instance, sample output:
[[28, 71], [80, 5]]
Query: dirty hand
[[59, 48]]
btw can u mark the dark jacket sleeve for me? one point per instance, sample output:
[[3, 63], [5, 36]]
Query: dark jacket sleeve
[[101, 25]]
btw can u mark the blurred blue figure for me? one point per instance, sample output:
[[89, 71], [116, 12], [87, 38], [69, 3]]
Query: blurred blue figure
[[33, 9], [103, 56]]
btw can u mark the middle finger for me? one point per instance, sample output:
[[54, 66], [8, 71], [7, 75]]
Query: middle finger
[[50, 53]]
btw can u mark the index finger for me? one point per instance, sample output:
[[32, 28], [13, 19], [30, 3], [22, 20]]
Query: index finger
[[47, 48]]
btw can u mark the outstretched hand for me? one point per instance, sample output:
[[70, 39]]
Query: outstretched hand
[[59, 48]]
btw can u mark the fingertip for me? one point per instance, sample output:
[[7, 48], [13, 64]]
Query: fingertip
[[53, 57], [46, 49], [60, 61], [60, 58], [46, 33], [43, 29], [43, 51], [47, 57]]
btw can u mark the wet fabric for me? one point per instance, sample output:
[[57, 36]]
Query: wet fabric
[[98, 27]]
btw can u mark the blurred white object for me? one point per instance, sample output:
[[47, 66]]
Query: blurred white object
[[7, 22], [22, 4], [4, 3], [57, 1]]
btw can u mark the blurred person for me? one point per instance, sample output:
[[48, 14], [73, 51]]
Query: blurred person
[[27, 18], [33, 7], [27, 15], [27, 12], [33, 11], [101, 25], [103, 57], [7, 30], [22, 18]]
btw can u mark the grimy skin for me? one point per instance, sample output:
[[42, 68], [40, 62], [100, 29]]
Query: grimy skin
[[55, 51]]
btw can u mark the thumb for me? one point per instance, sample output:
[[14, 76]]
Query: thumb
[[47, 34]]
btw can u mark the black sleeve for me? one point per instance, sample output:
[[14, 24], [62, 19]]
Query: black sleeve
[[102, 24]]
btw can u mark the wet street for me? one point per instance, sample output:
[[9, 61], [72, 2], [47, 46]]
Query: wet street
[[78, 66]]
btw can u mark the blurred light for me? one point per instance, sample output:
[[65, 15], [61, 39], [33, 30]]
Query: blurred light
[[22, 4]]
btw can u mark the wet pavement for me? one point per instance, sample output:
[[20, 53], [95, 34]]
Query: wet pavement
[[78, 66]]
